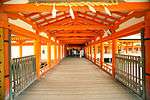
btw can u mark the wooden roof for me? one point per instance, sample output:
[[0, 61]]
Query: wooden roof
[[85, 27]]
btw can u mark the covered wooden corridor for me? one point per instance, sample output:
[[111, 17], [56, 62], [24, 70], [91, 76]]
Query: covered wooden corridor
[[77, 79], [74, 49]]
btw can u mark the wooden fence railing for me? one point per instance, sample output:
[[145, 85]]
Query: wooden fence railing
[[22, 73], [129, 71]]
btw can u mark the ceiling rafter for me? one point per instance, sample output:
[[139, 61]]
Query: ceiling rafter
[[102, 20], [135, 6], [51, 19], [27, 20]]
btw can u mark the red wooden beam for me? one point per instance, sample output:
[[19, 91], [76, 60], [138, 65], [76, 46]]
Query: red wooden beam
[[94, 17], [74, 27], [130, 6]]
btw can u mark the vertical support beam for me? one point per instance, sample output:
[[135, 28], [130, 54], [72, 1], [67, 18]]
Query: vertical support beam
[[58, 52], [95, 52], [4, 58], [55, 53], [20, 49], [49, 52], [126, 47], [147, 54], [2, 73], [37, 52], [91, 52], [62, 51], [132, 47], [114, 51], [87, 52], [101, 54]]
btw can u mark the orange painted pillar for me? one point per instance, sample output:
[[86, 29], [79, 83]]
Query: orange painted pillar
[[55, 53], [132, 47], [95, 52], [88, 52], [147, 54], [126, 47], [37, 52], [91, 52], [62, 51], [114, 51], [101, 54], [20, 49], [59, 52], [5, 58], [49, 52]]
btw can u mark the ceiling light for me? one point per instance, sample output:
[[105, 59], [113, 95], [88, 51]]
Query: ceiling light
[[71, 12], [54, 11]]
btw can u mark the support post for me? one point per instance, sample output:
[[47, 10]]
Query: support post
[[58, 52], [62, 51], [101, 54], [20, 49], [95, 52], [114, 51], [37, 52], [147, 54], [5, 55], [49, 52], [91, 53], [55, 53]]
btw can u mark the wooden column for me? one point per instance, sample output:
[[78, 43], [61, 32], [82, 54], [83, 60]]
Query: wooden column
[[114, 51], [20, 49], [88, 52], [101, 54], [37, 52], [59, 52], [62, 51], [5, 47], [49, 52], [95, 52], [91, 53], [147, 54], [126, 47], [55, 53]]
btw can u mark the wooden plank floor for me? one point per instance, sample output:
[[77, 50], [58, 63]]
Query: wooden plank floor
[[76, 79]]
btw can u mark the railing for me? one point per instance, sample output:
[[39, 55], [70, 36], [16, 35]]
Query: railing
[[129, 71], [107, 67], [23, 73]]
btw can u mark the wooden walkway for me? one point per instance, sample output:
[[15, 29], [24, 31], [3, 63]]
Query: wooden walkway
[[76, 79]]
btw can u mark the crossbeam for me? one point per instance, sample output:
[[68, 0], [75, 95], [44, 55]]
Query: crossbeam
[[74, 27], [15, 8]]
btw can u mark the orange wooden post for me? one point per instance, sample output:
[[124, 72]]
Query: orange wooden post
[[91, 52], [37, 52], [87, 52], [58, 52], [49, 52], [114, 51], [147, 54], [55, 53], [126, 47], [4, 58], [62, 51], [95, 52], [20, 49], [101, 54]]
